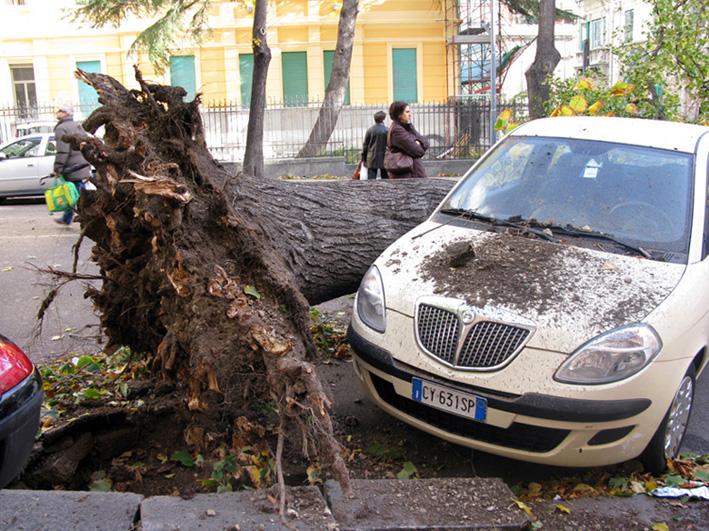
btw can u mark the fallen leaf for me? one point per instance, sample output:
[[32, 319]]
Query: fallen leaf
[[524, 507], [660, 527], [563, 509]]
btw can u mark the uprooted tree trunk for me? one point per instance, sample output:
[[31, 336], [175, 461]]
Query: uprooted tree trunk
[[213, 275]]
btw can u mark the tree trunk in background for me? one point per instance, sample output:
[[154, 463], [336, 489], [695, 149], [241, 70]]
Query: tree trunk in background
[[212, 276], [545, 60], [253, 155], [337, 86]]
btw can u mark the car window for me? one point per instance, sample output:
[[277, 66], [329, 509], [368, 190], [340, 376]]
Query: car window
[[51, 147], [27, 147], [639, 194]]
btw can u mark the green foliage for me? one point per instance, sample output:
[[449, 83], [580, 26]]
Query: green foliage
[[177, 21], [674, 55], [592, 95]]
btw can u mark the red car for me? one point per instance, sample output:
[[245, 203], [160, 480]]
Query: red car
[[21, 397]]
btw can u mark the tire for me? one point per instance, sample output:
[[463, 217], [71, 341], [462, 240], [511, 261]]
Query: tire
[[666, 442]]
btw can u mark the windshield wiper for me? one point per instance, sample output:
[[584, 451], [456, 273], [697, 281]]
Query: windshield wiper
[[477, 216], [571, 231]]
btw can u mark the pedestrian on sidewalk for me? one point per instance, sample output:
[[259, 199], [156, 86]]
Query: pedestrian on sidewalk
[[375, 144], [405, 139], [68, 162]]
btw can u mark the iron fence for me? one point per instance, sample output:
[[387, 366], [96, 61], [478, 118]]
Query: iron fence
[[456, 129]]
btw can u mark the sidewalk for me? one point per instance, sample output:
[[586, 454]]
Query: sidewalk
[[376, 505]]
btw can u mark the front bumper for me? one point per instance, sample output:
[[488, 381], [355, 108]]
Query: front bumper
[[19, 420], [532, 426]]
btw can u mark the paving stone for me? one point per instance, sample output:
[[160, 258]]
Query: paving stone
[[244, 510], [38, 510], [425, 504]]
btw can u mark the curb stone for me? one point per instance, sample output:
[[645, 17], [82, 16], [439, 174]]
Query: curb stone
[[439, 504], [242, 510], [51, 510]]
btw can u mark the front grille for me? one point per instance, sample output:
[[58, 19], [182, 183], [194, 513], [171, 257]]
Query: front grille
[[519, 436], [438, 332], [487, 344]]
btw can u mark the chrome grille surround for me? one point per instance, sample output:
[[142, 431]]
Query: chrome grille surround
[[467, 337]]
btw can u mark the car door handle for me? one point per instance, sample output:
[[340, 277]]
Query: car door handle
[[30, 165]]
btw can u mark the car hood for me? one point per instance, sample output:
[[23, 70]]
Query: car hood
[[571, 293]]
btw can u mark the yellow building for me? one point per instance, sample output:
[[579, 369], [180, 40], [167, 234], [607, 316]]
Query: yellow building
[[399, 53]]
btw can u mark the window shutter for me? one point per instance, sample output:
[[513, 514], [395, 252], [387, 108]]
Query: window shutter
[[182, 74], [88, 98], [328, 60], [246, 71], [405, 75], [295, 78]]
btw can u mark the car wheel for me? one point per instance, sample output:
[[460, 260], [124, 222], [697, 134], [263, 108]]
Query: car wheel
[[2, 200], [666, 442]]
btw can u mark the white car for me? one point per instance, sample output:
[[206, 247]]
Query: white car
[[23, 163], [555, 307]]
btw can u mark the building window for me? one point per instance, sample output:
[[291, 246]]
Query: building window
[[629, 15], [246, 74], [598, 33], [585, 26], [405, 75], [328, 60], [15, 2], [88, 98], [295, 78], [24, 87], [182, 74]]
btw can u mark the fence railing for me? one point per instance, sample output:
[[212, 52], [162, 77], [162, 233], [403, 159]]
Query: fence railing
[[455, 129]]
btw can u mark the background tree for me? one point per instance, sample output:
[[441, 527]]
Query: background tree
[[545, 60], [182, 21], [337, 86], [673, 58]]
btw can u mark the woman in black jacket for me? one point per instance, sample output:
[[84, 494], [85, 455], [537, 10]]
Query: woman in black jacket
[[404, 138]]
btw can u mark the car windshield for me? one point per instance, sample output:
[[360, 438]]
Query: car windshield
[[637, 195]]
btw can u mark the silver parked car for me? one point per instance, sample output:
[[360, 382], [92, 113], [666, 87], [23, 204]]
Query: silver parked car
[[23, 162]]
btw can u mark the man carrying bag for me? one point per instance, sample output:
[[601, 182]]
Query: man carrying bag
[[68, 163]]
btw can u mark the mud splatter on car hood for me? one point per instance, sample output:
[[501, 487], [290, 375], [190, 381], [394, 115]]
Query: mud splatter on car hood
[[571, 293]]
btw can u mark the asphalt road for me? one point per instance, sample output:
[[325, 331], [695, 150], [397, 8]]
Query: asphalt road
[[30, 240]]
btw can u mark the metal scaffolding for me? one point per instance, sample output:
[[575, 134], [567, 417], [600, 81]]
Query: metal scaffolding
[[469, 46]]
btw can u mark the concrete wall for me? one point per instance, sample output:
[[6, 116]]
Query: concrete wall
[[337, 167]]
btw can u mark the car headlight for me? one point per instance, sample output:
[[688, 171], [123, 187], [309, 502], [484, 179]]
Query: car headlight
[[612, 356], [370, 300]]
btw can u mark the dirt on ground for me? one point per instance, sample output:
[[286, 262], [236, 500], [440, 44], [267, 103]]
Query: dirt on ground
[[151, 445]]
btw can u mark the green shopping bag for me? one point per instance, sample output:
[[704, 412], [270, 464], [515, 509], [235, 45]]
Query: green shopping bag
[[61, 196]]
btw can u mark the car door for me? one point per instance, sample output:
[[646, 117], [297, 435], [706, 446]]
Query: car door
[[22, 163]]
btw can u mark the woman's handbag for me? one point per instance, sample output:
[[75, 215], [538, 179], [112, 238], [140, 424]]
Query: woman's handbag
[[61, 196], [397, 162]]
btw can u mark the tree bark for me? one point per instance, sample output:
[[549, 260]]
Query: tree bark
[[329, 233], [545, 61], [253, 154], [337, 86], [212, 275]]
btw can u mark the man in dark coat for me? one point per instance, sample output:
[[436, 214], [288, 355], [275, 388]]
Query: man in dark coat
[[375, 144], [68, 162]]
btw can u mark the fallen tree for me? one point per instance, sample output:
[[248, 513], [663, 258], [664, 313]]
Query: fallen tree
[[212, 275]]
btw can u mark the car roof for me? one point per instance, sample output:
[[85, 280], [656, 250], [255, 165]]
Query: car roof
[[675, 136]]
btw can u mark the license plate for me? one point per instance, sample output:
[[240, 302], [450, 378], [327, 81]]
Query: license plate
[[447, 399]]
